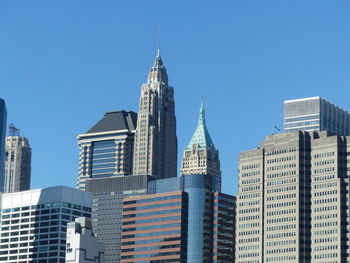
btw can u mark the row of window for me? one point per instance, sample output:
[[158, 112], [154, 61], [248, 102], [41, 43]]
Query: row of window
[[282, 159]]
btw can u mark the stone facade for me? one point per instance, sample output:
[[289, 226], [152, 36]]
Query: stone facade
[[292, 199], [155, 149], [201, 156], [18, 156]]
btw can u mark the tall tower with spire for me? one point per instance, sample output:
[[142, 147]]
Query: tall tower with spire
[[155, 147], [200, 156]]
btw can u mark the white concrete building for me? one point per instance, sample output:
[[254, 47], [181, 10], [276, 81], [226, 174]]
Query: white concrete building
[[34, 223], [82, 245]]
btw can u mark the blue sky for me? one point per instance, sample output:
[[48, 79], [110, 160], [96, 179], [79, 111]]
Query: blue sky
[[64, 63]]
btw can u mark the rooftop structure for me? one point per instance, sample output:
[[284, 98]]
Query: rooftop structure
[[315, 114]]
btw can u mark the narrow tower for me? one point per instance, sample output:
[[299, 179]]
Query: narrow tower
[[155, 148], [200, 155], [18, 155]]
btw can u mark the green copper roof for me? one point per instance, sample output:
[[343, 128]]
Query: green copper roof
[[201, 135]]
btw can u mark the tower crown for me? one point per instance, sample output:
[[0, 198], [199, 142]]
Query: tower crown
[[158, 71], [201, 135]]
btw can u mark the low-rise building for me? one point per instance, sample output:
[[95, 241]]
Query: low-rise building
[[82, 245], [34, 223]]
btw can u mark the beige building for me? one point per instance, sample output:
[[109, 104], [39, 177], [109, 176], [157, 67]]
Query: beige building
[[291, 201], [330, 173], [155, 150], [18, 154], [200, 155]]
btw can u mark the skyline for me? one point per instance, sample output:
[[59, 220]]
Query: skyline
[[61, 70]]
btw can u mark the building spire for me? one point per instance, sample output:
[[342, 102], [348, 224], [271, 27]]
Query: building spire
[[201, 120], [158, 71], [201, 135]]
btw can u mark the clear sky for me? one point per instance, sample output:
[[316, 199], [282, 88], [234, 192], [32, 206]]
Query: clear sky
[[64, 63]]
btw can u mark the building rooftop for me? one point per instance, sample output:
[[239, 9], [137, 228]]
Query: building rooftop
[[115, 120], [201, 135]]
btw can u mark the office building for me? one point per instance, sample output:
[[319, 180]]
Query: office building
[[330, 159], [224, 214], [108, 194], [106, 149], [273, 201], [200, 155], [34, 223], [82, 246], [155, 149], [155, 228], [315, 114], [3, 124], [182, 219], [18, 156], [292, 199]]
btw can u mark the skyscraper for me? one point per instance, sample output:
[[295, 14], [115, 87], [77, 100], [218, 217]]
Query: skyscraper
[[34, 223], [273, 219], [163, 217], [3, 120], [186, 218], [18, 156], [105, 166], [155, 149], [330, 173], [107, 148], [108, 194], [115, 147], [182, 219], [315, 114], [293, 199], [200, 155]]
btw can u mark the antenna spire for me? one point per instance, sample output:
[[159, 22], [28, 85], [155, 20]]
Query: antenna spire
[[202, 113], [158, 52]]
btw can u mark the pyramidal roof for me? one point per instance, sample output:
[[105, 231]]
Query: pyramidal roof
[[201, 135]]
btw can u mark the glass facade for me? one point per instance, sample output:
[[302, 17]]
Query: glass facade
[[155, 228], [3, 120], [224, 207], [107, 212], [200, 219], [209, 220], [103, 159], [37, 233]]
